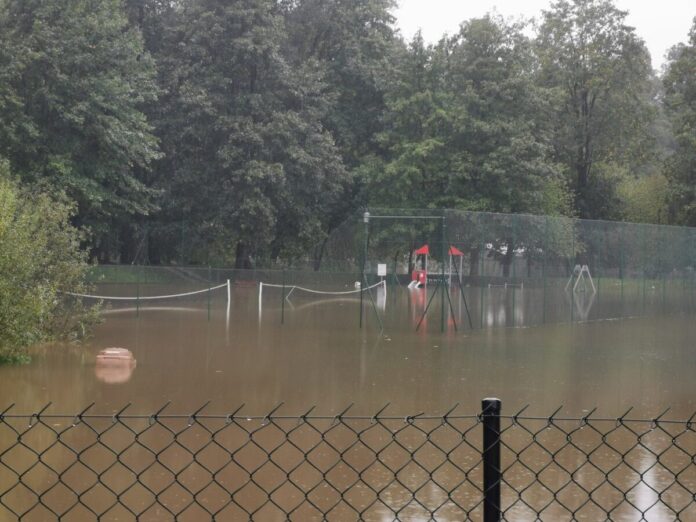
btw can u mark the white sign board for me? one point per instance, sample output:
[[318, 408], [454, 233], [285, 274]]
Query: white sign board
[[382, 270]]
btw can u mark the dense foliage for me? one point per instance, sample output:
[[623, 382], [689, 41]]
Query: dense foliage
[[245, 131], [40, 256], [680, 87], [72, 77]]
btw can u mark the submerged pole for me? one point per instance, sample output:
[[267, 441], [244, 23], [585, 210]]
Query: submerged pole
[[209, 291], [229, 304], [260, 299], [366, 222], [442, 275], [282, 301], [137, 293]]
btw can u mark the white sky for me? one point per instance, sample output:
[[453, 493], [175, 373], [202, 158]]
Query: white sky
[[661, 23]]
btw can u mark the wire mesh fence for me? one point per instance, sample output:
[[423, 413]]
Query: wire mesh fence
[[493, 245], [484, 466], [514, 246], [502, 269]]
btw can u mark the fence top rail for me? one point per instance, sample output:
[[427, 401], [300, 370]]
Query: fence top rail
[[237, 415], [402, 213]]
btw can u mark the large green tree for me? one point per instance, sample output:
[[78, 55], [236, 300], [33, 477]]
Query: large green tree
[[600, 72], [73, 78], [250, 167], [680, 90], [464, 127], [352, 42]]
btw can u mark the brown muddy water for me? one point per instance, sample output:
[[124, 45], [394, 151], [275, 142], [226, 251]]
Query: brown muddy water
[[190, 351], [525, 348]]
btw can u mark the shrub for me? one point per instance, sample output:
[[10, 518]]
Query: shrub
[[40, 259]]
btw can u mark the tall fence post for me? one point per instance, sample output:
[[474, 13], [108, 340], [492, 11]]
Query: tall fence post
[[443, 317], [492, 474], [137, 292], [282, 301], [366, 221], [210, 284]]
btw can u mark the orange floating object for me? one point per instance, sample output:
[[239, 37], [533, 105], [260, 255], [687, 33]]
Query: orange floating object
[[115, 365]]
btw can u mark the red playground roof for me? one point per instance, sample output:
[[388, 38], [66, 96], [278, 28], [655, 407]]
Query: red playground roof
[[425, 249]]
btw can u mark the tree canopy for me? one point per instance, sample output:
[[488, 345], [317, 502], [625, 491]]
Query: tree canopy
[[73, 79], [244, 132], [600, 71], [462, 126], [680, 90]]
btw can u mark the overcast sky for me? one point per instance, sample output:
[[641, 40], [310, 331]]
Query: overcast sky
[[661, 23]]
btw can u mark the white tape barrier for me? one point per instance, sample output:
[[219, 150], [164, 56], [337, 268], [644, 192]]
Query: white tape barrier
[[152, 297], [292, 288]]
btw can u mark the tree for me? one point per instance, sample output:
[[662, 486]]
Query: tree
[[465, 128], [464, 125], [645, 198], [252, 170], [352, 42], [680, 100], [40, 257], [601, 75], [73, 76]]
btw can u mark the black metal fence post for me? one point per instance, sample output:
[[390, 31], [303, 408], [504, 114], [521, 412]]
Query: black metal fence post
[[366, 221], [491, 459]]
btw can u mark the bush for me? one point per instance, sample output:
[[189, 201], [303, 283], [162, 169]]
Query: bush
[[40, 258]]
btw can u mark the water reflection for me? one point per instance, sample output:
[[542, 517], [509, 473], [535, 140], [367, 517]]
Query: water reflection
[[583, 302]]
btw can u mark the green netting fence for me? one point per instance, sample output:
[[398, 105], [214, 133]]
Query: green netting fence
[[514, 246], [511, 269]]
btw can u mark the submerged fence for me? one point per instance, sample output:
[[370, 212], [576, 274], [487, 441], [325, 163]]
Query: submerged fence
[[492, 245], [510, 270], [485, 466], [512, 246]]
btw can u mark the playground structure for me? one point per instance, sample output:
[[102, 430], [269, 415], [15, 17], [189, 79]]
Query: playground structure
[[581, 274], [419, 276]]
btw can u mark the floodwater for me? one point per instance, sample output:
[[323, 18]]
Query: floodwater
[[195, 350], [527, 346]]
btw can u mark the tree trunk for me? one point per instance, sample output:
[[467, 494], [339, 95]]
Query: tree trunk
[[242, 256], [474, 261], [396, 260], [584, 156], [508, 258], [410, 259], [319, 254]]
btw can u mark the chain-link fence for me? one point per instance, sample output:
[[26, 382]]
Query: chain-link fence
[[493, 246], [501, 269], [448, 467], [513, 246]]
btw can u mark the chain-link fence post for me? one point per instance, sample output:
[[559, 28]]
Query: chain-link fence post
[[366, 231], [492, 475]]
